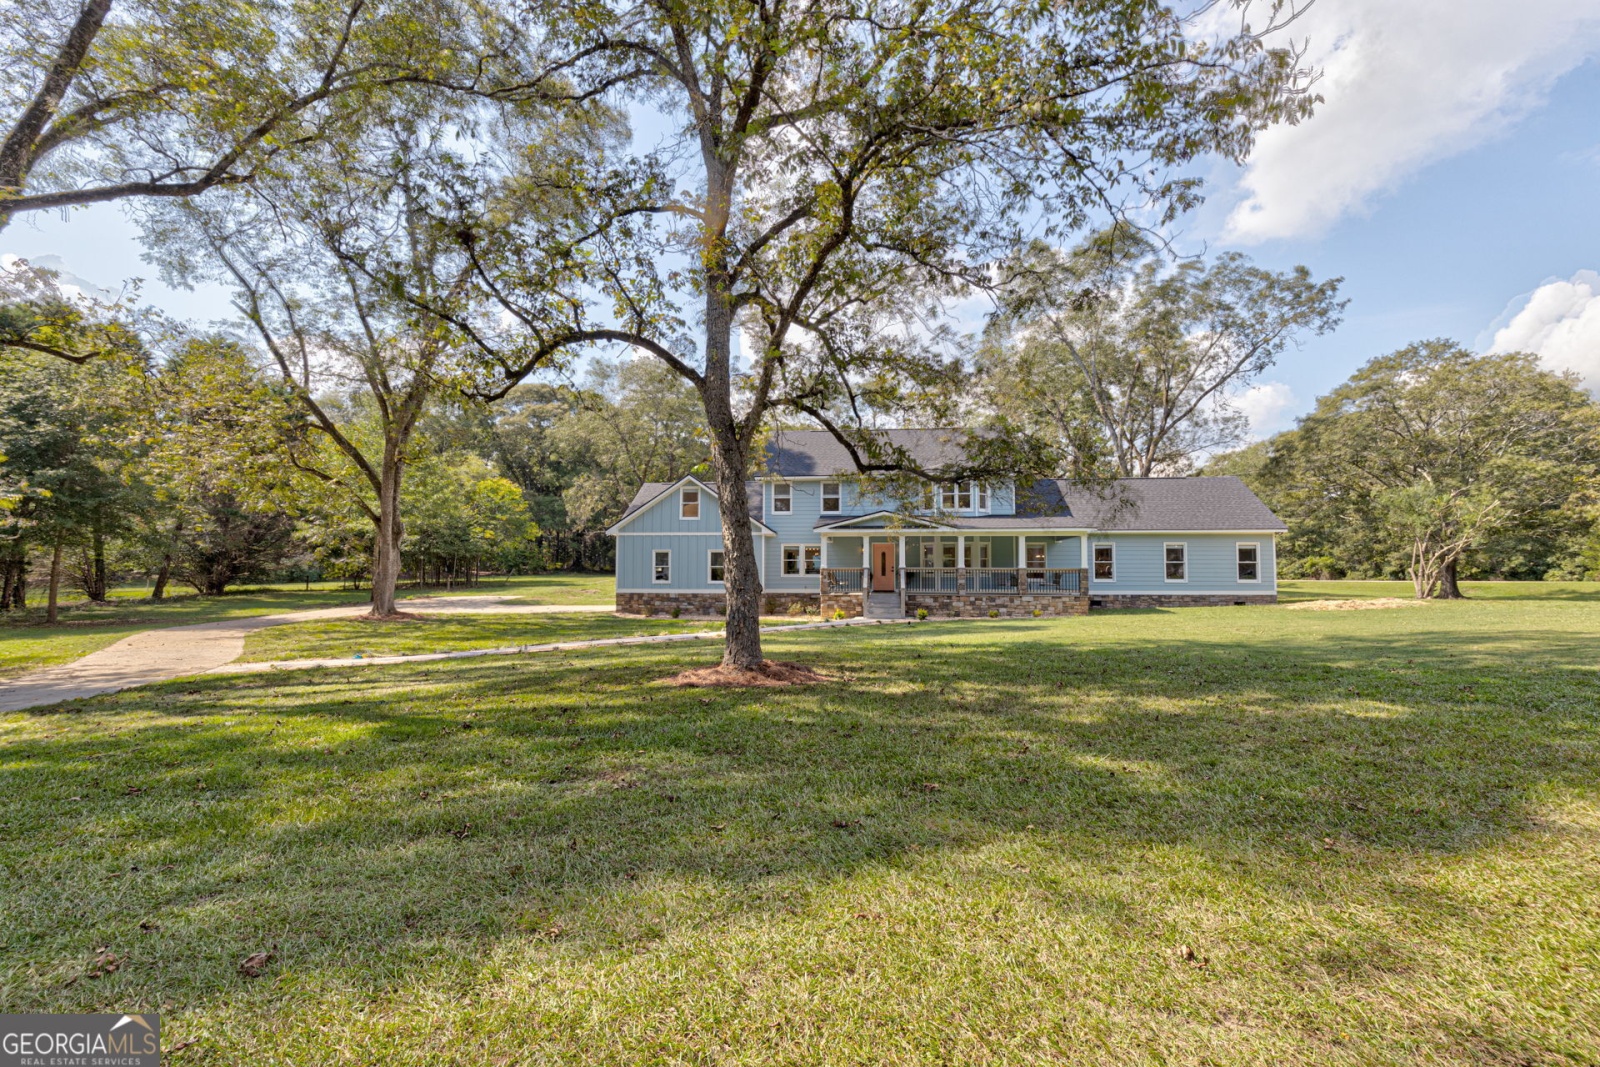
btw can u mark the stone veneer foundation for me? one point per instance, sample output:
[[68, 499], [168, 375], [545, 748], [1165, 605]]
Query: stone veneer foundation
[[663, 603], [943, 604], [1009, 607], [849, 603], [1180, 600]]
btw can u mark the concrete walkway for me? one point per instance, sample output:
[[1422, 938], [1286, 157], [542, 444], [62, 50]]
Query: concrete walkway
[[158, 655], [521, 650]]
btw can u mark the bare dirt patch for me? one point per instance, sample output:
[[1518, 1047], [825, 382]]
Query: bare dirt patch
[[397, 616], [770, 673], [1375, 604]]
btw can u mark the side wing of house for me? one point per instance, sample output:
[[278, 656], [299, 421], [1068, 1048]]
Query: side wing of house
[[1184, 567], [669, 549]]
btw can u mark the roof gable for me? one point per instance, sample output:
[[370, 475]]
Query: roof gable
[[651, 493]]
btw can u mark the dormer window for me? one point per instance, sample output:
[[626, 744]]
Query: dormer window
[[960, 496], [832, 503], [782, 498], [689, 504]]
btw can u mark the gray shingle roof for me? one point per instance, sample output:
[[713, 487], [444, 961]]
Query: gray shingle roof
[[1127, 505], [816, 454], [1134, 504]]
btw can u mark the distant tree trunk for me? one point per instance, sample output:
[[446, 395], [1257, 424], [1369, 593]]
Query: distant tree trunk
[[386, 547], [98, 589], [160, 590], [1449, 589], [55, 584]]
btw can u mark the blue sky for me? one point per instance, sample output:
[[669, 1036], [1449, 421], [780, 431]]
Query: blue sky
[[1450, 177]]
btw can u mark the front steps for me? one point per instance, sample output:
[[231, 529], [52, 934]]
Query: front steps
[[883, 606]]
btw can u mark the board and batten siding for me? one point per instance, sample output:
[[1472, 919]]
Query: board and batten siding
[[661, 516], [659, 525], [690, 565], [1212, 564]]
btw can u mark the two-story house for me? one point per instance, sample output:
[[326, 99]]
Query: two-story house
[[1049, 547]]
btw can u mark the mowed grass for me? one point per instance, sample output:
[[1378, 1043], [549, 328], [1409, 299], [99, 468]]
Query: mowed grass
[[1377, 834], [84, 627], [448, 633]]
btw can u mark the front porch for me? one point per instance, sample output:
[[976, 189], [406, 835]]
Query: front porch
[[980, 575]]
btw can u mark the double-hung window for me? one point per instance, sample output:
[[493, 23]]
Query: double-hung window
[[831, 501], [1036, 557], [1177, 558], [980, 496], [689, 504], [1105, 563], [1249, 560], [813, 559], [714, 567], [782, 498], [791, 559], [661, 566]]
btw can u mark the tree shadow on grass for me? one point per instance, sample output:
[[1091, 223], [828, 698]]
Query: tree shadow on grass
[[369, 823]]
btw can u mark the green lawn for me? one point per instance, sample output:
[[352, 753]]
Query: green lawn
[[25, 643], [1377, 832], [446, 633]]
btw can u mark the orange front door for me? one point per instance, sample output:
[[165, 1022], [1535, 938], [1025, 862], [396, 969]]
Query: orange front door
[[883, 568]]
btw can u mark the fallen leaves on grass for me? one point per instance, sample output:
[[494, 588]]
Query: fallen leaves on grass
[[254, 964], [105, 962], [1355, 605], [770, 673], [1188, 955]]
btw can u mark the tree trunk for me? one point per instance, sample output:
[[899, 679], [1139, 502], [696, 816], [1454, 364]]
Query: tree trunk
[[1449, 589], [731, 457], [386, 546], [97, 577], [55, 585], [165, 573]]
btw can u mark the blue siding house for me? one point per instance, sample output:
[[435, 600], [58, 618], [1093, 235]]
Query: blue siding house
[[825, 541]]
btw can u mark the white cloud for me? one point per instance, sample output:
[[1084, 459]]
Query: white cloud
[[1407, 83], [1270, 407], [1560, 321], [69, 284]]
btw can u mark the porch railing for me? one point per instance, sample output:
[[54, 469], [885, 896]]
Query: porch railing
[[997, 581], [842, 579], [1062, 581], [931, 579]]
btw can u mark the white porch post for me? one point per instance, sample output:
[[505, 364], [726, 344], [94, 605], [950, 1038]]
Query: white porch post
[[961, 563], [1022, 564], [825, 551], [1083, 551]]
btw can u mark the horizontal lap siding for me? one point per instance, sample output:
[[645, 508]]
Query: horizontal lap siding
[[794, 528], [1140, 564]]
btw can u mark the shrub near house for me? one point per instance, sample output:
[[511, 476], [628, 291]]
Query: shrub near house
[[825, 542]]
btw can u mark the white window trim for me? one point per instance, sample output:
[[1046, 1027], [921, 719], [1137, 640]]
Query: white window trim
[[1247, 544], [1175, 544], [1112, 545], [783, 511], [716, 581], [655, 552], [799, 561], [683, 504], [823, 497], [810, 552]]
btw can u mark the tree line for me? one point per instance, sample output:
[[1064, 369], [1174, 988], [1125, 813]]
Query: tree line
[[183, 461], [421, 206]]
